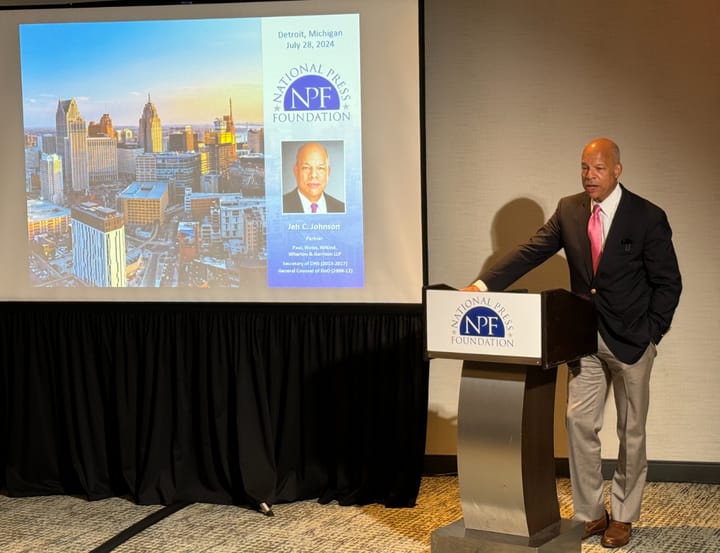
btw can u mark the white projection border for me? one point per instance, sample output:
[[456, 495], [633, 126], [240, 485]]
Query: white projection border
[[208, 108]]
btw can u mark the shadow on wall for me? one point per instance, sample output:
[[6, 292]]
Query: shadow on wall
[[513, 224]]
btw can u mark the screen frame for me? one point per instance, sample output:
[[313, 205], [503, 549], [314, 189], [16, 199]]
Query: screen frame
[[403, 284]]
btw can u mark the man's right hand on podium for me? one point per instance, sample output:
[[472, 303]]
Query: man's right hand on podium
[[477, 286]]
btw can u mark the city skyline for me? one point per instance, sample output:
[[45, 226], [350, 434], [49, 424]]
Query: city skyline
[[188, 68]]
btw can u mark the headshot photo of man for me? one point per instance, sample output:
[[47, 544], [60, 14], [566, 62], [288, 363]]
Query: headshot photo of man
[[312, 171]]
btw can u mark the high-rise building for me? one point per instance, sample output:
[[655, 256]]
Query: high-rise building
[[32, 165], [210, 183], [127, 160], [231, 217], [183, 140], [103, 128], [32, 159], [247, 176], [254, 231], [124, 136], [220, 144], [49, 144], [51, 178], [188, 240], [256, 141], [179, 170], [145, 168], [61, 115], [44, 217], [144, 202], [71, 134], [102, 159], [150, 131], [99, 250]]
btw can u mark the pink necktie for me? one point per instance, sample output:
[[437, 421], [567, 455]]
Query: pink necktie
[[596, 236], [313, 207]]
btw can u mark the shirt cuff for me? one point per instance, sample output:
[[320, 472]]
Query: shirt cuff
[[480, 285]]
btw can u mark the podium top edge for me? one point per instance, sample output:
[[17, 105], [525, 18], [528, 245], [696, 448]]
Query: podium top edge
[[447, 288], [439, 286]]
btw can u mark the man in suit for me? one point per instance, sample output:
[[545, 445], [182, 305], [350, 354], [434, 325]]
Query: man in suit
[[635, 287], [312, 171]]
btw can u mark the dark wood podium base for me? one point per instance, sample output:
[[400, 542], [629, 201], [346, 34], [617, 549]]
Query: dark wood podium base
[[562, 537]]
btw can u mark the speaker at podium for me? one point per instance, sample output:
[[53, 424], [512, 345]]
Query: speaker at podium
[[511, 345]]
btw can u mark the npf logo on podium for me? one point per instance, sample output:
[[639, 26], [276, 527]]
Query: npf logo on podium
[[495, 324], [481, 325]]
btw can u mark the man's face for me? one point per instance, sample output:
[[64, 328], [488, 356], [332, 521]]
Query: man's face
[[311, 172], [599, 171]]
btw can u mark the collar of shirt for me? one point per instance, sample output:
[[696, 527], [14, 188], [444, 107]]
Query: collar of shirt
[[609, 206], [322, 206]]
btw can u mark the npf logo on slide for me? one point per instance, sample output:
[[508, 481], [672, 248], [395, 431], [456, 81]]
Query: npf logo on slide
[[311, 92]]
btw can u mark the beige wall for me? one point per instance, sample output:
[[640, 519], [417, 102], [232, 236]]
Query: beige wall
[[514, 89]]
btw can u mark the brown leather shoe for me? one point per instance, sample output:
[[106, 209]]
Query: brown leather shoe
[[617, 534], [597, 526]]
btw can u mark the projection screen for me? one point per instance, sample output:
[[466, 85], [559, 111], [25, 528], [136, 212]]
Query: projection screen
[[239, 151]]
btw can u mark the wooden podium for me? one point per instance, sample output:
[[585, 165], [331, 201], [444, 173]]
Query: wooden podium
[[511, 344]]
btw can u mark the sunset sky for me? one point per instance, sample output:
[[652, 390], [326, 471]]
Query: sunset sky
[[189, 68]]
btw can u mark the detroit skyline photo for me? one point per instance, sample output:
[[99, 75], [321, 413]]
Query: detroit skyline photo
[[188, 68], [136, 173]]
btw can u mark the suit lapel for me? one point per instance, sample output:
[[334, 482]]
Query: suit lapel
[[617, 228]]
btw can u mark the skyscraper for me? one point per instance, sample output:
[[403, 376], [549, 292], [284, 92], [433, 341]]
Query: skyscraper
[[182, 140], [71, 133], [102, 159], [99, 250], [220, 144], [180, 171], [61, 126], [51, 178], [150, 132], [49, 144]]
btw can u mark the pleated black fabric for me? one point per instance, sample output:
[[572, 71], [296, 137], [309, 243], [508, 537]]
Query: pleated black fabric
[[234, 404]]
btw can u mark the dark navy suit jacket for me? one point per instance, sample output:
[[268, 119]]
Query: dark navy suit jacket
[[637, 285], [292, 203]]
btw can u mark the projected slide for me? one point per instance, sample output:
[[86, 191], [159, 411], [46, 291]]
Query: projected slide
[[194, 153]]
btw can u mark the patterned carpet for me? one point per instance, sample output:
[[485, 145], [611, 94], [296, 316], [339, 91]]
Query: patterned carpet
[[677, 518]]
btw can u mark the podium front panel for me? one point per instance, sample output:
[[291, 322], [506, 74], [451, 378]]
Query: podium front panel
[[484, 326]]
